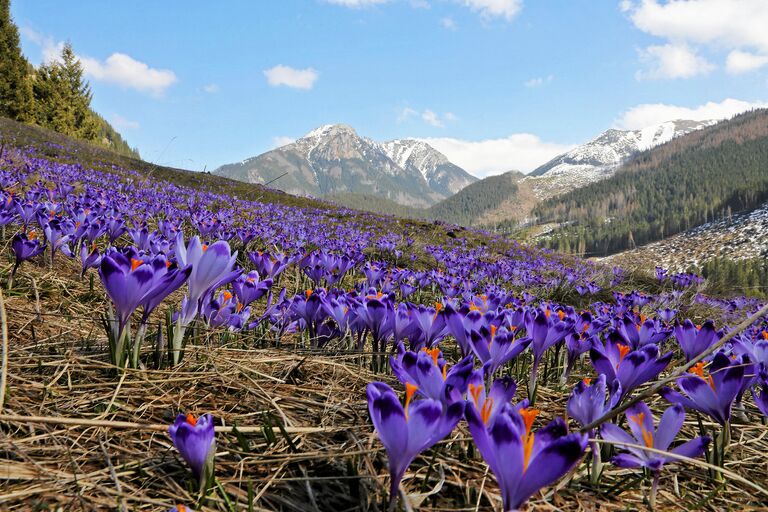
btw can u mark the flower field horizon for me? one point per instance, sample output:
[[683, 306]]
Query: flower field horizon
[[194, 344]]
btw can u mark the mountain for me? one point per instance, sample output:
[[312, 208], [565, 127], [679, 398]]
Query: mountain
[[471, 204], [441, 175], [701, 177], [335, 160], [600, 157]]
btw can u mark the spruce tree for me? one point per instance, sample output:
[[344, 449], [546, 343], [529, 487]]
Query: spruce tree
[[15, 86]]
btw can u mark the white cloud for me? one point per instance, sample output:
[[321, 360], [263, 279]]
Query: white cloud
[[211, 88], [672, 61], [743, 62], [119, 68], [125, 71], [450, 116], [729, 23], [690, 25], [538, 81], [649, 114], [122, 123], [520, 151], [280, 141], [290, 77], [506, 9], [356, 3], [448, 23]]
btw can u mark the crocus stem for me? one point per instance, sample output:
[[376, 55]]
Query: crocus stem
[[654, 488], [597, 465], [532, 383]]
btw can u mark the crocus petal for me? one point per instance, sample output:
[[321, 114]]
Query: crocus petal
[[669, 425]]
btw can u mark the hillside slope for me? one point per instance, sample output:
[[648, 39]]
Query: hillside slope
[[689, 181]]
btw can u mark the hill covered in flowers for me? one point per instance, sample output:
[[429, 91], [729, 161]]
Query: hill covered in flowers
[[179, 339]]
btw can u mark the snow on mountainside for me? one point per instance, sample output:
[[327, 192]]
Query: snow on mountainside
[[743, 236], [440, 174], [334, 159], [599, 158]]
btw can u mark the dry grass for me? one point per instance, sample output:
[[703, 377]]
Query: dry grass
[[305, 441]]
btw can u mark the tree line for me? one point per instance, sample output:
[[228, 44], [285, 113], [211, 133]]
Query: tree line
[[690, 181], [54, 95]]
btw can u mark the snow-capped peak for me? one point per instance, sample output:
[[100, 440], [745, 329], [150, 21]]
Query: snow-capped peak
[[599, 158]]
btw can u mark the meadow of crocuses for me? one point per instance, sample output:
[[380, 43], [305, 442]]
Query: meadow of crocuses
[[543, 361]]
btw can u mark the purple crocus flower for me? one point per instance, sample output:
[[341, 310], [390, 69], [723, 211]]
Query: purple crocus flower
[[248, 288], [89, 257], [24, 247], [641, 425], [127, 279], [712, 393], [695, 339], [588, 400], [428, 371], [544, 332], [487, 405], [195, 440], [630, 367], [524, 461], [406, 431], [494, 346], [181, 508]]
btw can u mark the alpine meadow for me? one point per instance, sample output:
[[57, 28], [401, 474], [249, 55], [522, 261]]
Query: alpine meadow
[[384, 255]]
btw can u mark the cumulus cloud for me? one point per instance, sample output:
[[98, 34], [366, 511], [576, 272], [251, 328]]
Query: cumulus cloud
[[125, 71], [119, 68], [730, 23], [506, 9], [649, 114], [211, 88], [672, 61], [287, 76], [742, 62], [122, 123], [538, 81], [281, 141], [688, 25], [521, 151]]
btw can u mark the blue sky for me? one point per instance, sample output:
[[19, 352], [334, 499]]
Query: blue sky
[[494, 84]]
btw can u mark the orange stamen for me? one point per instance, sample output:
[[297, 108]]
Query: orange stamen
[[485, 412], [433, 353], [587, 381], [135, 264], [32, 235], [698, 369], [308, 292], [445, 371], [191, 420], [561, 314], [475, 390], [493, 332], [647, 436], [765, 335], [227, 296], [239, 307], [623, 351], [205, 247], [529, 415], [410, 390]]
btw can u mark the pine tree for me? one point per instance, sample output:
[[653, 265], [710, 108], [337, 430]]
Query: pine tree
[[15, 86]]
